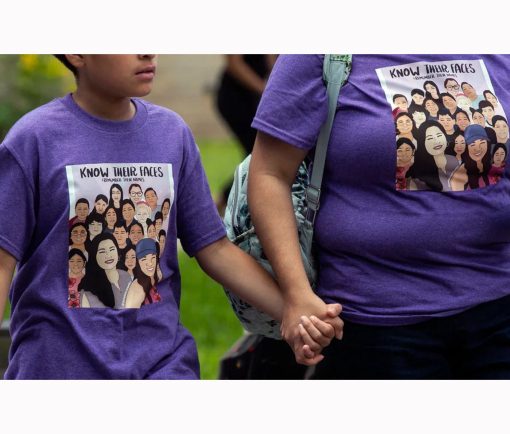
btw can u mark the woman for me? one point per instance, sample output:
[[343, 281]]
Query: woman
[[462, 120], [128, 212], [498, 163], [489, 96], [110, 219], [104, 285], [100, 204], [432, 108], [165, 210], [130, 261], [143, 213], [405, 156], [77, 263], [457, 147], [151, 229], [143, 289], [95, 225], [136, 233], [419, 114], [501, 129], [161, 241], [478, 159], [432, 92], [405, 127], [78, 236], [116, 197]]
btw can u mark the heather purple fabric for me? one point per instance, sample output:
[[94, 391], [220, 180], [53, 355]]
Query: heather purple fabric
[[49, 339], [392, 257]]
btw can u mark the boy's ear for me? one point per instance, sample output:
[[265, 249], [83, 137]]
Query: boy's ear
[[77, 60]]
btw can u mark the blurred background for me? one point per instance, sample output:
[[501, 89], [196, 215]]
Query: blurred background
[[187, 84]]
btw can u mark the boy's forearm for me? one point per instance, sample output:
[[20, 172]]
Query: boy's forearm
[[241, 274], [7, 266]]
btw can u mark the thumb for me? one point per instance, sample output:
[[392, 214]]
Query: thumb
[[333, 310]]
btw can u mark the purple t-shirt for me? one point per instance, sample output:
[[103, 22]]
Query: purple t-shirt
[[403, 236], [86, 302]]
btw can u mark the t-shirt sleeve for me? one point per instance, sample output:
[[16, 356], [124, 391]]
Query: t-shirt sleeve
[[17, 219], [294, 105], [198, 221]]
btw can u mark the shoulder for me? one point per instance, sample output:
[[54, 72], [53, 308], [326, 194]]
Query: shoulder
[[162, 114]]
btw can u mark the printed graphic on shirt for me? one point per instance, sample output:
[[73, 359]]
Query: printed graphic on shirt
[[118, 222], [451, 130]]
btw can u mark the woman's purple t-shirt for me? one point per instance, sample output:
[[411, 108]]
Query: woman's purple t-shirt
[[50, 159], [395, 257]]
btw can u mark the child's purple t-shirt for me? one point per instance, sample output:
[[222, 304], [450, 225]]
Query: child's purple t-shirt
[[398, 245], [51, 158]]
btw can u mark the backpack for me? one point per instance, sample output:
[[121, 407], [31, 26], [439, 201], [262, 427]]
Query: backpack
[[305, 198]]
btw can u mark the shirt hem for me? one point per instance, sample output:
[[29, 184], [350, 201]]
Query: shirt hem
[[259, 124]]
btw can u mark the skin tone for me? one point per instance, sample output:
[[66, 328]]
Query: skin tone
[[477, 151], [401, 103], [432, 108], [405, 127], [165, 210], [499, 157], [111, 218], [448, 124], [100, 206], [479, 119], [158, 224], [95, 228], [128, 213], [78, 237], [492, 99], [452, 87], [82, 211], [450, 103], [459, 146], [151, 231], [76, 266], [136, 295], [135, 234], [419, 118], [463, 102], [469, 91], [462, 121], [107, 258], [130, 261], [501, 129], [107, 82], [143, 212], [418, 99], [121, 236], [435, 144], [136, 194], [488, 112], [152, 199], [116, 195], [432, 90], [162, 242], [405, 155]]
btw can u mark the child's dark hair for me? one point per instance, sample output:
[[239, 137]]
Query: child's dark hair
[[67, 64]]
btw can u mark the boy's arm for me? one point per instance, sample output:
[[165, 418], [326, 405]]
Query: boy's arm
[[238, 271], [7, 266]]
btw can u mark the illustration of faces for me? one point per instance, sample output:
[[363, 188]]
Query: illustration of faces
[[469, 91], [78, 235], [449, 102], [135, 193], [151, 198], [418, 98], [121, 236], [165, 208], [462, 120], [143, 212], [435, 141], [130, 260], [488, 113], [100, 205], [111, 217], [401, 103], [499, 157], [135, 233], [463, 102], [162, 241], [148, 264], [151, 231], [430, 88], [501, 129], [128, 213], [116, 196], [459, 145], [419, 117], [452, 87], [432, 108], [107, 255], [447, 122], [489, 96], [158, 223], [404, 124], [82, 211], [478, 118], [477, 149], [76, 266], [405, 155], [95, 228]]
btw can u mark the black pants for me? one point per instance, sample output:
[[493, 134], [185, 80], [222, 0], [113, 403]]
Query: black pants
[[474, 344]]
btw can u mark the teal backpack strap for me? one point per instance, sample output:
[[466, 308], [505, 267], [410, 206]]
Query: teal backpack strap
[[336, 70]]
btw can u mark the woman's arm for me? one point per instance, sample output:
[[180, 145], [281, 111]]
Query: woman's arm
[[7, 266], [243, 73]]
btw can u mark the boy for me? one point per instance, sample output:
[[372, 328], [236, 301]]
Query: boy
[[78, 146]]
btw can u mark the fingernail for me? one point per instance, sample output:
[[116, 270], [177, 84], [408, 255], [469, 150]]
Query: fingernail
[[314, 318], [303, 318]]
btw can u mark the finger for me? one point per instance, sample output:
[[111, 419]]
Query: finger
[[333, 310], [309, 362], [338, 325], [314, 346], [308, 353], [316, 334], [324, 328]]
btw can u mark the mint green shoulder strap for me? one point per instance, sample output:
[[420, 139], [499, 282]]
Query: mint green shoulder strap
[[336, 70]]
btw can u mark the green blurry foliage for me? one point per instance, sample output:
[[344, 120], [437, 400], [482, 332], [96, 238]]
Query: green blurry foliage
[[28, 81]]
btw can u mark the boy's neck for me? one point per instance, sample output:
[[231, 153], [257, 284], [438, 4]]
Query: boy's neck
[[103, 106]]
